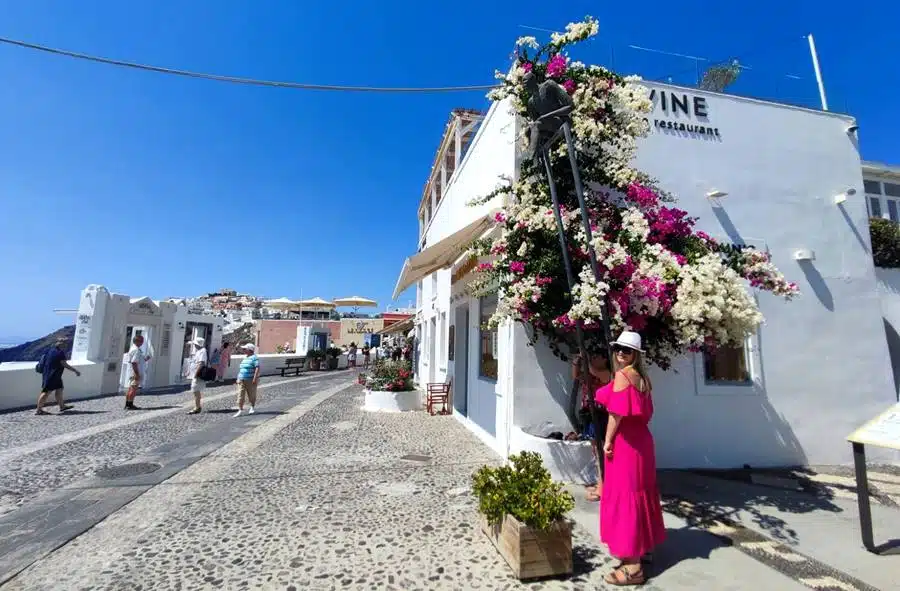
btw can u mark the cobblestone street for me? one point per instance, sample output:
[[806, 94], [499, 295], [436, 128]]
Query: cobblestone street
[[310, 493]]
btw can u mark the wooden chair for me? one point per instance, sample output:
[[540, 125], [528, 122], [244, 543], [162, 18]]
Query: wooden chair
[[438, 394]]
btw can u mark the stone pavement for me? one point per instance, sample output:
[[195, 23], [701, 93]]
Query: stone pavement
[[323, 496]]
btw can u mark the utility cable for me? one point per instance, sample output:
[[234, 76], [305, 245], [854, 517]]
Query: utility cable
[[237, 79]]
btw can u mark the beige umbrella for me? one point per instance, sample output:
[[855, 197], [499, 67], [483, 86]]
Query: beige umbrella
[[316, 304], [281, 304], [356, 302]]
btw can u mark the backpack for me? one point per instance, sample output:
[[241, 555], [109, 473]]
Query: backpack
[[41, 363]]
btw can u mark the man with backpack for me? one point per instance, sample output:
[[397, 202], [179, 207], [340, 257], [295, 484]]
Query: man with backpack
[[51, 367]]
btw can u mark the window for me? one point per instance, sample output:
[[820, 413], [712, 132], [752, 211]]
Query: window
[[419, 294], [892, 210], [451, 342], [434, 285], [875, 205], [873, 187], [727, 365], [892, 189], [487, 364]]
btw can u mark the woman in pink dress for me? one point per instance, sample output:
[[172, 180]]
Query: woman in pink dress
[[224, 362], [631, 520]]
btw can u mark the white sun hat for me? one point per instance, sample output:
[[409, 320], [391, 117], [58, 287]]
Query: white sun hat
[[199, 342], [249, 346], [629, 340]]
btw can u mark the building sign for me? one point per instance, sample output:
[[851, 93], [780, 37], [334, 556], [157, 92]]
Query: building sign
[[681, 112], [361, 327]]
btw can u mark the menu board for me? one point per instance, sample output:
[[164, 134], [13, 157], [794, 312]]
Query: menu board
[[882, 431]]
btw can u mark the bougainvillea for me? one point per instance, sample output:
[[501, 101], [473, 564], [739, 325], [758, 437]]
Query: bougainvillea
[[681, 289]]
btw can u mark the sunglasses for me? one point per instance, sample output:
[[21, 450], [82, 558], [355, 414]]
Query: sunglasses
[[623, 350]]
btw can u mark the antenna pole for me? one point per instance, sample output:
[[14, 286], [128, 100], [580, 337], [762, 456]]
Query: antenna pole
[[815, 61]]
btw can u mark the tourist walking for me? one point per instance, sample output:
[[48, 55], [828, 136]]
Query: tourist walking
[[248, 379], [135, 371], [631, 520], [52, 365], [221, 360], [351, 355], [366, 353], [599, 376], [199, 359]]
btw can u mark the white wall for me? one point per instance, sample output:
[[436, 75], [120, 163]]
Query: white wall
[[490, 157], [781, 167], [20, 384], [821, 364]]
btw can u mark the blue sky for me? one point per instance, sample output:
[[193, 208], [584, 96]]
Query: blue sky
[[158, 185]]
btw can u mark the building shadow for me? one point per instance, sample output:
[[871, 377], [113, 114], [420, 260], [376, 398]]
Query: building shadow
[[853, 228], [817, 282], [685, 543], [893, 342], [727, 225]]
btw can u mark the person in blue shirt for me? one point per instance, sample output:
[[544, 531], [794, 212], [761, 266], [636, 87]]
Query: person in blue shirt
[[54, 364], [248, 379]]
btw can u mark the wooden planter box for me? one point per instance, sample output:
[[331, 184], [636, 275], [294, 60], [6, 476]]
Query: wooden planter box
[[532, 553]]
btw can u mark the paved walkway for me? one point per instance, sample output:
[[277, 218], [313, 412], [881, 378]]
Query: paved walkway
[[317, 495]]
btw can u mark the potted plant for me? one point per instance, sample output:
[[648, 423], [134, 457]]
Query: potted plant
[[523, 511], [333, 354], [314, 358]]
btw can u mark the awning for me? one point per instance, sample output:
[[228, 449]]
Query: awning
[[441, 254], [397, 326]]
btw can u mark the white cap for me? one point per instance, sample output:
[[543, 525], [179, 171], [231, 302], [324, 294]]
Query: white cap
[[199, 341], [629, 340], [249, 346]]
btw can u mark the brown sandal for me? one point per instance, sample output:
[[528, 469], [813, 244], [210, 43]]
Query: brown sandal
[[620, 577]]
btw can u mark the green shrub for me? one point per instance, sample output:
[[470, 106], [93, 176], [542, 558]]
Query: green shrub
[[885, 242], [315, 354], [334, 351], [522, 488]]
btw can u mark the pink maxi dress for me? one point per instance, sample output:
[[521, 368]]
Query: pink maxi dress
[[631, 520]]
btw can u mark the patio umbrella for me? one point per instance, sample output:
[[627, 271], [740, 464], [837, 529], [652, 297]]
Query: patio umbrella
[[356, 302], [281, 304], [316, 304]]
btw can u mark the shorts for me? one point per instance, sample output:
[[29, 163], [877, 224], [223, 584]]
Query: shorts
[[198, 385], [246, 388], [52, 384]]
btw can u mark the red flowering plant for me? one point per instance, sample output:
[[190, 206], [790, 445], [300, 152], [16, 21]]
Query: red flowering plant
[[390, 376], [678, 287]]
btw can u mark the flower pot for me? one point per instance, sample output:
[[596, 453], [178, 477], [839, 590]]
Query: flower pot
[[332, 362], [532, 553], [385, 401], [315, 364]]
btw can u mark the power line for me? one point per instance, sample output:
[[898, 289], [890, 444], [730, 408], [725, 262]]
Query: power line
[[237, 79]]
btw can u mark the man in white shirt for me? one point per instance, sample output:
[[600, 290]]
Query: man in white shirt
[[199, 359], [135, 361]]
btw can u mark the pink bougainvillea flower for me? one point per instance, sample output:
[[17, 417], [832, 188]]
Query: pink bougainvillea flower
[[642, 196], [570, 86], [527, 66], [500, 217], [485, 266], [556, 66], [517, 267]]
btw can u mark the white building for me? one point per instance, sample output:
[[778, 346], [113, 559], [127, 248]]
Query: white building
[[818, 367]]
